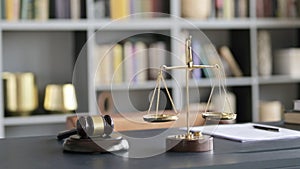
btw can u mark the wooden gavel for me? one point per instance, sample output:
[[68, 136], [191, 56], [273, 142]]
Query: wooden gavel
[[90, 126]]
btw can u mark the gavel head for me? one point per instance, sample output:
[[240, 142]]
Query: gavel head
[[95, 126]]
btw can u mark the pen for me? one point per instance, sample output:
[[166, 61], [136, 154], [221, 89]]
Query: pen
[[266, 128]]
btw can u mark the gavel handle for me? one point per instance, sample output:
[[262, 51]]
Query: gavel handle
[[64, 134]]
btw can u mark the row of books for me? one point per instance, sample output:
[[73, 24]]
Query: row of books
[[130, 61], [205, 9], [293, 116], [13, 10], [115, 9], [278, 8], [205, 54]]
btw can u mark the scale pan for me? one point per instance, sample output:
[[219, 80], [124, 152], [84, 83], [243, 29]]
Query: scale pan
[[219, 115], [159, 118]]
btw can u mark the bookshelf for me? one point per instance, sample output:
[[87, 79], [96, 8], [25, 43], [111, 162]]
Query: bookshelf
[[67, 39]]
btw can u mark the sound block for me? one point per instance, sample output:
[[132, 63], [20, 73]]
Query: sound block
[[181, 143], [95, 144]]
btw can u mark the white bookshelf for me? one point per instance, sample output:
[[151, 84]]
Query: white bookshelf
[[37, 119], [249, 88]]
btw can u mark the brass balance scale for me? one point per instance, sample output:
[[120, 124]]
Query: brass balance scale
[[191, 141]]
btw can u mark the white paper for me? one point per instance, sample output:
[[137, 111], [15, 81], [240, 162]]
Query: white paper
[[246, 132]]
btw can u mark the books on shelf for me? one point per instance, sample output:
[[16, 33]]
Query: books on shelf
[[119, 8], [157, 57], [128, 61], [102, 65], [116, 9], [196, 9], [13, 10], [205, 54], [131, 61], [230, 60], [41, 10], [117, 59], [224, 9], [293, 116], [277, 8], [196, 47]]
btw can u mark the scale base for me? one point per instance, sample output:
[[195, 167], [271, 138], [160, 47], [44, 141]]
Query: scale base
[[191, 143]]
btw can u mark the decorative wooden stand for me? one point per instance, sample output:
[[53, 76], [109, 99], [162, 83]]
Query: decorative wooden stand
[[93, 145], [181, 143]]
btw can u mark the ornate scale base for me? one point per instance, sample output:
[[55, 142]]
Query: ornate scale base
[[95, 145], [189, 143]]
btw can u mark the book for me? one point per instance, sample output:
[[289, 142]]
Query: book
[[75, 9], [62, 9], [12, 9], [27, 9], [41, 10], [219, 8], [1, 10], [99, 9], [233, 65], [117, 63], [292, 116], [268, 8], [210, 57], [242, 8], [157, 58], [259, 8], [140, 61], [128, 61], [103, 65], [196, 49], [146, 6], [282, 8], [196, 9], [228, 9], [119, 8]]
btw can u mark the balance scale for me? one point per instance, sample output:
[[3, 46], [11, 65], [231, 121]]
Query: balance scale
[[191, 141]]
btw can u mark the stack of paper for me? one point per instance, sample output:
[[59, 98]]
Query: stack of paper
[[246, 132]]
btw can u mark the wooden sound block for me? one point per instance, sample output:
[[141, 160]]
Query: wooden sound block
[[95, 145], [181, 143]]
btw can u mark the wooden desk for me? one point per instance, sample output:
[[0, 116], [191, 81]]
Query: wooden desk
[[46, 152]]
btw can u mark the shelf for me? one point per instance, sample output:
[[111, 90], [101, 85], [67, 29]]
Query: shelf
[[230, 81], [36, 119], [54, 25], [149, 24], [216, 24], [133, 24], [39, 119], [278, 79], [275, 23], [149, 85]]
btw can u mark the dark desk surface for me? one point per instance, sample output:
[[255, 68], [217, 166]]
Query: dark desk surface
[[46, 152]]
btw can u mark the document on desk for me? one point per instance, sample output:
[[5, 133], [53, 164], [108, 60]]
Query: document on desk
[[247, 132]]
